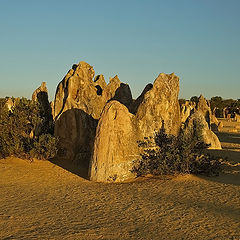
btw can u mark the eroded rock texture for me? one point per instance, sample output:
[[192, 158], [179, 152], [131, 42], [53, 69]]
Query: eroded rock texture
[[115, 145], [99, 124], [160, 103], [209, 137], [186, 109], [78, 104], [118, 131], [203, 106]]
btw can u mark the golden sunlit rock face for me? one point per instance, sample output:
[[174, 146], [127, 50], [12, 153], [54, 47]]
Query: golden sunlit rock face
[[99, 124]]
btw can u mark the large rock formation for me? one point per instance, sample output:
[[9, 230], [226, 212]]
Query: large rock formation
[[160, 103], [118, 131], [78, 104], [115, 145], [99, 124]]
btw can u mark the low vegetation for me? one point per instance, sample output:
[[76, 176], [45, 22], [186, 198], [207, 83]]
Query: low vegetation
[[166, 154], [25, 131]]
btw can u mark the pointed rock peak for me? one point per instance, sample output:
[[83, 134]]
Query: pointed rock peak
[[114, 79], [159, 103], [201, 98], [148, 87], [169, 76], [82, 69], [42, 90], [168, 79], [202, 101], [100, 80], [84, 64], [43, 86]]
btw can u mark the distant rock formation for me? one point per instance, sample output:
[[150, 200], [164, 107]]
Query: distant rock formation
[[209, 137], [203, 106], [201, 114], [115, 145], [186, 109], [40, 95]]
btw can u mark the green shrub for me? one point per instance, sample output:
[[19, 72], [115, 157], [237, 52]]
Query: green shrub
[[45, 147], [18, 128], [166, 154]]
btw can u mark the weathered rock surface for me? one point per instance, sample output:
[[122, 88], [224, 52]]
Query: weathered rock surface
[[203, 106], [115, 145], [78, 104], [160, 103], [209, 137], [99, 124], [77, 90], [118, 130], [186, 109]]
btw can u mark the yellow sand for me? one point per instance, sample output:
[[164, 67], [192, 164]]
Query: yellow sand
[[40, 200]]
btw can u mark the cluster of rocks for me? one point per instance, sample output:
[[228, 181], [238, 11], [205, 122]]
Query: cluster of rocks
[[99, 124], [200, 112]]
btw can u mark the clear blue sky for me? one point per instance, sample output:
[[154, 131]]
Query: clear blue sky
[[199, 40]]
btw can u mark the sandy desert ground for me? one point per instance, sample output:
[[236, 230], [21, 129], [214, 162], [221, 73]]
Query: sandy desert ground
[[41, 200]]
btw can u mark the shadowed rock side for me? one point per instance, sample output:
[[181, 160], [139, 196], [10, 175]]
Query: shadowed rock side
[[115, 145], [77, 90], [136, 103], [40, 95], [160, 103], [76, 131]]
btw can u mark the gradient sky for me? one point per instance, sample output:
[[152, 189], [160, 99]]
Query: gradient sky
[[199, 40]]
